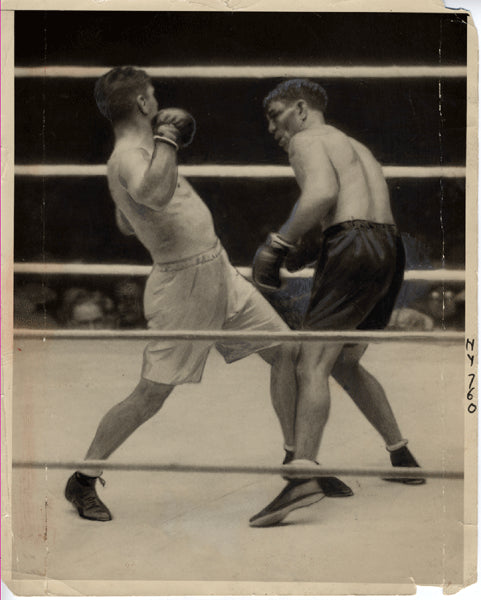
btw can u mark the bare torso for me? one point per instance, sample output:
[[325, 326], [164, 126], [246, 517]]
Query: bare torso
[[181, 228], [362, 189]]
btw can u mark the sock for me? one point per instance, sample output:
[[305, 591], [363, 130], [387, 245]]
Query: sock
[[397, 446], [90, 472]]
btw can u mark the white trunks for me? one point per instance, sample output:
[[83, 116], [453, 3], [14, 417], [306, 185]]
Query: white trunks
[[204, 292]]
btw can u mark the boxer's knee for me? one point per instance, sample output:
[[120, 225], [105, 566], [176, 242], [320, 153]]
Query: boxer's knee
[[315, 361]]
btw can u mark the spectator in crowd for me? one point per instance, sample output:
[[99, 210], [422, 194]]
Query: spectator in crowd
[[85, 309], [441, 305], [128, 298], [33, 306], [410, 319], [440, 308]]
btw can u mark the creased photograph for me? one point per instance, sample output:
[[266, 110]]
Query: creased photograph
[[239, 325]]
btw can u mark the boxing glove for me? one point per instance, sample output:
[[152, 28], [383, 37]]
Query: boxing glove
[[175, 124], [268, 261]]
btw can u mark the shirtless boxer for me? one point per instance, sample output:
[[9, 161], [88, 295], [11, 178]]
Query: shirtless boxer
[[359, 271], [192, 284]]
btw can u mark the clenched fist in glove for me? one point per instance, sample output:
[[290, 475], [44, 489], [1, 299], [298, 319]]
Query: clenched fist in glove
[[268, 261], [175, 126]]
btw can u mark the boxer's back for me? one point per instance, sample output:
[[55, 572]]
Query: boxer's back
[[362, 189]]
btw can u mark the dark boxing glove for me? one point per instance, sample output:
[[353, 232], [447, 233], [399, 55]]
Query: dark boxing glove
[[306, 251], [174, 125], [268, 261]]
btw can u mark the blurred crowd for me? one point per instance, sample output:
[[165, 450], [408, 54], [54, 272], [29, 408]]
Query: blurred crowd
[[119, 306], [420, 307]]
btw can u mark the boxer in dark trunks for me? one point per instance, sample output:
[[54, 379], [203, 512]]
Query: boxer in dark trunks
[[359, 271]]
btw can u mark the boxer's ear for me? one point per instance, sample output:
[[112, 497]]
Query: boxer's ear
[[302, 108], [141, 102]]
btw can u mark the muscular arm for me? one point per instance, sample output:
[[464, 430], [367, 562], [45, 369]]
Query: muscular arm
[[150, 180], [319, 187]]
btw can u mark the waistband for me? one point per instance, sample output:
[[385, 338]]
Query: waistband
[[359, 224], [191, 261]]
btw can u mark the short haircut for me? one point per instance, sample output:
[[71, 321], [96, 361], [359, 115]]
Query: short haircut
[[116, 91], [299, 89]]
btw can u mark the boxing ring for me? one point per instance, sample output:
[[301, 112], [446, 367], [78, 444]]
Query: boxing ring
[[191, 477], [183, 487], [211, 458]]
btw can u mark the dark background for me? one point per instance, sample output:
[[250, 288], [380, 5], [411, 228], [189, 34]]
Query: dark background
[[405, 122], [179, 38]]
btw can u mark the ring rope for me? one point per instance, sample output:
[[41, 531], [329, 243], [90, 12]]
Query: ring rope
[[235, 71], [400, 472], [249, 171], [345, 337], [140, 270]]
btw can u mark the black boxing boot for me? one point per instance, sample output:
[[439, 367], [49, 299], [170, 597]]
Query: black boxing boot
[[80, 491], [402, 457]]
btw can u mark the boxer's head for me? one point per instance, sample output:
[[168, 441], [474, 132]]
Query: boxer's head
[[122, 90], [290, 106]]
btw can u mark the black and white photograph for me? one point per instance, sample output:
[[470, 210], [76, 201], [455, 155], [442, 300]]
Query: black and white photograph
[[211, 386]]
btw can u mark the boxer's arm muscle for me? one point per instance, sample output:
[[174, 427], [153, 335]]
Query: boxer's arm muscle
[[150, 180], [319, 188]]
